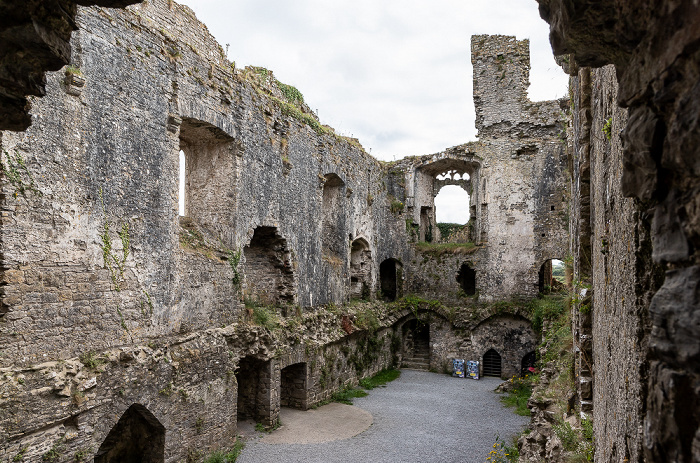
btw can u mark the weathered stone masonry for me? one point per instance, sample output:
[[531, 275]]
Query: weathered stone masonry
[[117, 315], [635, 220]]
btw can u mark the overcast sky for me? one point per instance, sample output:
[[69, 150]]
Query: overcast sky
[[395, 74]]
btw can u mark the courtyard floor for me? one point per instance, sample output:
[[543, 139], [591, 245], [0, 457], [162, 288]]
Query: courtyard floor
[[421, 417]]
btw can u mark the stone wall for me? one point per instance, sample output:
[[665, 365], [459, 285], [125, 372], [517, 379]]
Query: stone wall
[[643, 331], [118, 314]]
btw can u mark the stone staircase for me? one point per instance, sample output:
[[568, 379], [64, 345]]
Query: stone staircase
[[421, 356]]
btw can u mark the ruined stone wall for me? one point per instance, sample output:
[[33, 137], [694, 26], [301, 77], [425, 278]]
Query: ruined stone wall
[[644, 337], [510, 335], [613, 343], [518, 191], [155, 83], [435, 275]]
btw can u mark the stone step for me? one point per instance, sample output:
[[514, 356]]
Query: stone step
[[416, 363], [416, 366]]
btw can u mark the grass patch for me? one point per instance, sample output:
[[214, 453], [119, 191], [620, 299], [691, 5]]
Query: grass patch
[[380, 379], [440, 249], [520, 394], [346, 395], [223, 456]]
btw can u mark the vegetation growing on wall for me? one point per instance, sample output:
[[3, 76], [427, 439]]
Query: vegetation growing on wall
[[114, 261], [15, 172], [439, 249], [447, 229]]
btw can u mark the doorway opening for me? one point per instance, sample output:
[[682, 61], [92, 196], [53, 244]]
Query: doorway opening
[[492, 363], [389, 274], [293, 386], [138, 437]]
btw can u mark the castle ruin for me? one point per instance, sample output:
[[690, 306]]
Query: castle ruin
[[120, 317]]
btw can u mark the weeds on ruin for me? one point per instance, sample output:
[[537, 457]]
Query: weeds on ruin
[[20, 455], [223, 456], [502, 452], [607, 128], [262, 315], [91, 360], [440, 249], [262, 428], [15, 171], [234, 258], [447, 229], [396, 206], [82, 455], [72, 70], [520, 393], [113, 262], [54, 453]]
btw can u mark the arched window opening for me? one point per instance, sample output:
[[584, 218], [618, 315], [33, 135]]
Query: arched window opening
[[452, 213], [332, 232], [390, 276], [269, 273], [293, 388], [492, 363], [466, 277], [360, 270], [528, 362], [138, 437]]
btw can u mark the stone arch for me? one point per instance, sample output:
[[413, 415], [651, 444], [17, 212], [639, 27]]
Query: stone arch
[[466, 277], [360, 269], [294, 381], [390, 275], [211, 173], [333, 217], [492, 363], [431, 175], [510, 335], [269, 270], [455, 197], [138, 437]]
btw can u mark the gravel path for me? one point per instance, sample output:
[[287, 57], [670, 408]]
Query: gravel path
[[421, 417]]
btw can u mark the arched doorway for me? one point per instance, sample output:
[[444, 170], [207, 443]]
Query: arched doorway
[[389, 272], [138, 437], [528, 362], [492, 363], [416, 345], [466, 277], [253, 381], [293, 386]]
